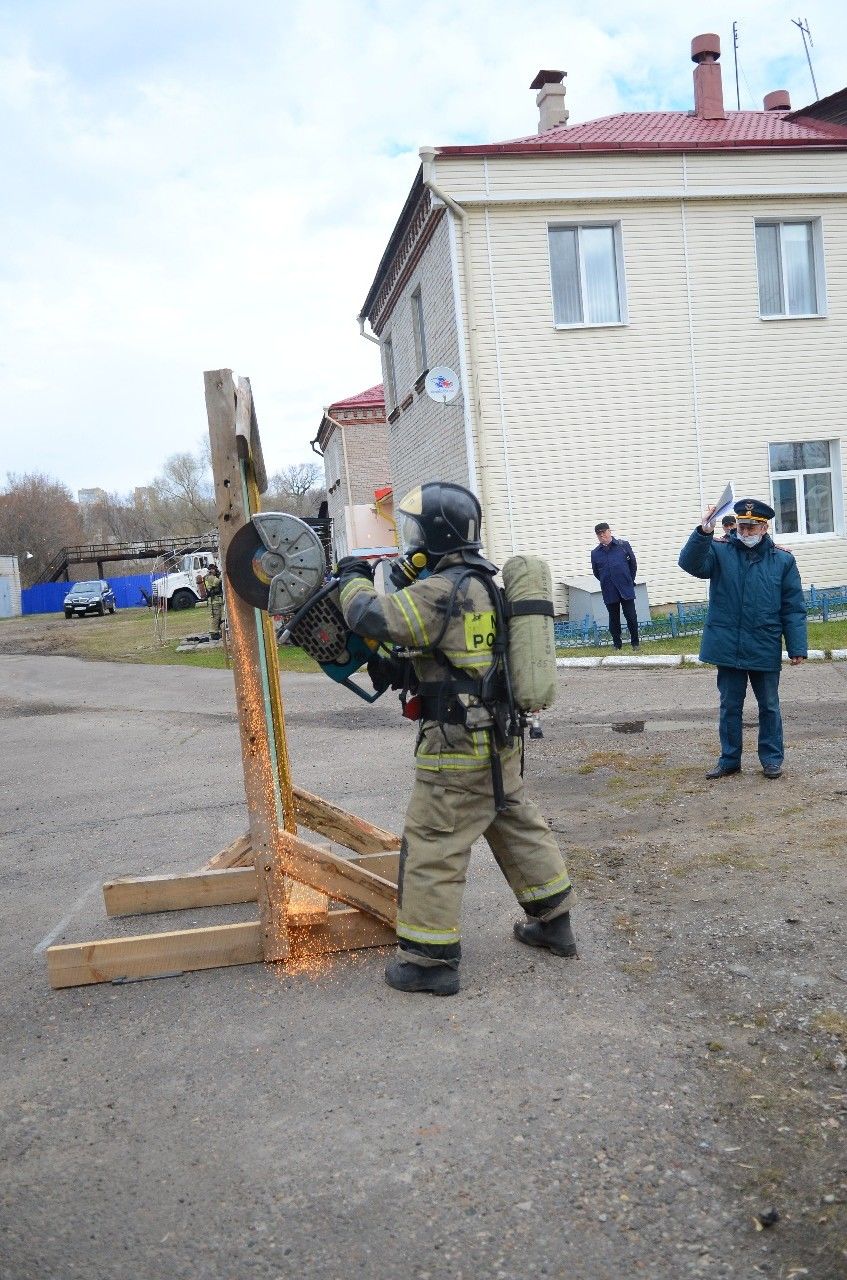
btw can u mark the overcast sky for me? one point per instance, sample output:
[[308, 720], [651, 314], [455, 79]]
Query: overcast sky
[[192, 184]]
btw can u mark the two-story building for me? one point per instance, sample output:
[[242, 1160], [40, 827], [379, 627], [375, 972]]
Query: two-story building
[[640, 308], [353, 441]]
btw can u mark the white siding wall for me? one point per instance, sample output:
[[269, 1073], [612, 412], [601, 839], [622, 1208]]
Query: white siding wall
[[588, 424], [426, 440], [10, 571]]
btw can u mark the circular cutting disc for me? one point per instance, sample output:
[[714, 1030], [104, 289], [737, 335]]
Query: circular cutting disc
[[295, 560]]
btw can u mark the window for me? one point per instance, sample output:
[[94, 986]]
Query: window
[[390, 375], [586, 275], [789, 256], [420, 331], [802, 486]]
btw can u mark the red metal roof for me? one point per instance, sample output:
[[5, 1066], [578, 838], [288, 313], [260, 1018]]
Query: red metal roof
[[671, 131], [374, 397]]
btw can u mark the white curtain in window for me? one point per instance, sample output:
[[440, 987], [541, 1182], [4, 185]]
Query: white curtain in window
[[601, 281], [798, 253], [818, 494], [770, 271], [564, 266], [785, 505]]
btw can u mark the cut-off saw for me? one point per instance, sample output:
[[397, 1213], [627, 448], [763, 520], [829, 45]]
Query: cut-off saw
[[277, 563]]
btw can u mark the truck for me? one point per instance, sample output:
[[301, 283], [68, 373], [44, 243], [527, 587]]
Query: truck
[[182, 586]]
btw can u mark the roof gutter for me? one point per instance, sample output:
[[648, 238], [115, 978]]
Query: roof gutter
[[427, 155]]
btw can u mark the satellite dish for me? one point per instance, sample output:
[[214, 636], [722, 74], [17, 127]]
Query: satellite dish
[[442, 384]]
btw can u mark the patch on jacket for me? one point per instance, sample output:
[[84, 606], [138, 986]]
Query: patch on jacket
[[479, 631]]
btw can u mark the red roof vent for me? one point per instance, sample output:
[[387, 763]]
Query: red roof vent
[[779, 100], [708, 86]]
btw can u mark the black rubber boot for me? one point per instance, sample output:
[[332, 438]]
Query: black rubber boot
[[437, 979], [556, 935]]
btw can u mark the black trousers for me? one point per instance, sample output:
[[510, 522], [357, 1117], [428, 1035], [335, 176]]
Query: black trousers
[[629, 613]]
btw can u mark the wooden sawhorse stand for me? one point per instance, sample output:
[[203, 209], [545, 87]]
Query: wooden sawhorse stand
[[311, 900]]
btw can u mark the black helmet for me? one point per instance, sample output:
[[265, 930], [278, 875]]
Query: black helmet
[[439, 518]]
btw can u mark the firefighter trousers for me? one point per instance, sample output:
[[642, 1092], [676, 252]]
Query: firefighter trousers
[[444, 818]]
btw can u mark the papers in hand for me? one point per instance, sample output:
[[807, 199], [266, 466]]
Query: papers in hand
[[724, 504]]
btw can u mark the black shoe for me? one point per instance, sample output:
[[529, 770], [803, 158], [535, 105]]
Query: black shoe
[[618, 646], [438, 979], [720, 772], [772, 770], [636, 645], [556, 935]]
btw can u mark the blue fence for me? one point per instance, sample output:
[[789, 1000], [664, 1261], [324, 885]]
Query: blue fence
[[822, 603], [47, 597]]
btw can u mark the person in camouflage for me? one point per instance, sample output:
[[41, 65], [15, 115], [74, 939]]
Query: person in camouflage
[[446, 622], [215, 596]]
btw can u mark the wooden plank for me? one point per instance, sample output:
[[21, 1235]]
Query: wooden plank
[[342, 930], [247, 433], [386, 865], [342, 827], [340, 878], [140, 895], [237, 854], [246, 637], [152, 955]]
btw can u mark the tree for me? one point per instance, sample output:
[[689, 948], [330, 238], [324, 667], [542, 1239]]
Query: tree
[[182, 498], [298, 489], [38, 516]]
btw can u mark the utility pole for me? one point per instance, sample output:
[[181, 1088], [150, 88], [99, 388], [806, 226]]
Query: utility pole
[[735, 54], [803, 26]]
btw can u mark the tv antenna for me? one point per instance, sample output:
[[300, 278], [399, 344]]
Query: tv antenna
[[803, 25], [735, 55]]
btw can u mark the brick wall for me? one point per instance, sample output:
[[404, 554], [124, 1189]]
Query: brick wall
[[426, 440]]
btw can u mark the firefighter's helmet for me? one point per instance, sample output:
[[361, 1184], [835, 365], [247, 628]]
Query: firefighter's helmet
[[438, 518]]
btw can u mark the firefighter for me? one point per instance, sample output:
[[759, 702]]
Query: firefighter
[[215, 594], [468, 779]]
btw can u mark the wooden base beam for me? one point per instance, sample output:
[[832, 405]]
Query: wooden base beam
[[344, 879], [156, 955], [140, 895]]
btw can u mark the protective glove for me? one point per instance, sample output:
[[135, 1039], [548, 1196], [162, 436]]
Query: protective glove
[[354, 567], [387, 672]]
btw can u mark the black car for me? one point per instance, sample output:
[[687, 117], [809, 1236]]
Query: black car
[[89, 597]]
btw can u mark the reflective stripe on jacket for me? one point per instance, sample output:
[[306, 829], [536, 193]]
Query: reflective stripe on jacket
[[414, 618]]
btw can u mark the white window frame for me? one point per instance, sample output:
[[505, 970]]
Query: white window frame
[[419, 330], [620, 272], [834, 470], [820, 274], [390, 373]]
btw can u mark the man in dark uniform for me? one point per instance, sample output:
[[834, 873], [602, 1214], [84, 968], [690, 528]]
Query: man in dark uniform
[[613, 562], [755, 598], [447, 623], [728, 526]]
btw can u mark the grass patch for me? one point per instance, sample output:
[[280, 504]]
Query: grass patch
[[832, 1023], [618, 760]]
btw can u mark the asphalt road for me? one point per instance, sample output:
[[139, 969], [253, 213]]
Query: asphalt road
[[246, 1122]]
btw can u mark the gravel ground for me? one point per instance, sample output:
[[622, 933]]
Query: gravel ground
[[636, 1112]]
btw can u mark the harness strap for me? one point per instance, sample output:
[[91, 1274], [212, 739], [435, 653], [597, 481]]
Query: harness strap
[[523, 608]]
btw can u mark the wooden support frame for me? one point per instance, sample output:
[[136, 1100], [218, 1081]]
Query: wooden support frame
[[291, 879]]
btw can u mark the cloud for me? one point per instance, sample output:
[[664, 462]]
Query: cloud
[[194, 186]]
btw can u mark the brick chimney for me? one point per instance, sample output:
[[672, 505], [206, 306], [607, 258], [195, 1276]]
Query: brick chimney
[[708, 88], [778, 100], [550, 99]]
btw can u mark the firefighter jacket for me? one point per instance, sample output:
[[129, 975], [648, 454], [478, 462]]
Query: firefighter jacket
[[415, 618], [213, 585]]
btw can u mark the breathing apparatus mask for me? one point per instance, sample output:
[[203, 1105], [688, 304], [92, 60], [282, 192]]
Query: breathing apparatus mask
[[433, 520]]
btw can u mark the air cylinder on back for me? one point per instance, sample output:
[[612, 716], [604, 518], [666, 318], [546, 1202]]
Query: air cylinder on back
[[532, 647]]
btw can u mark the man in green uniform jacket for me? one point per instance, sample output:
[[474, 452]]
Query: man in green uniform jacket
[[755, 598], [447, 622]]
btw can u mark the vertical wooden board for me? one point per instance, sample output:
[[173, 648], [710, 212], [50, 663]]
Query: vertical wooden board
[[259, 781]]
